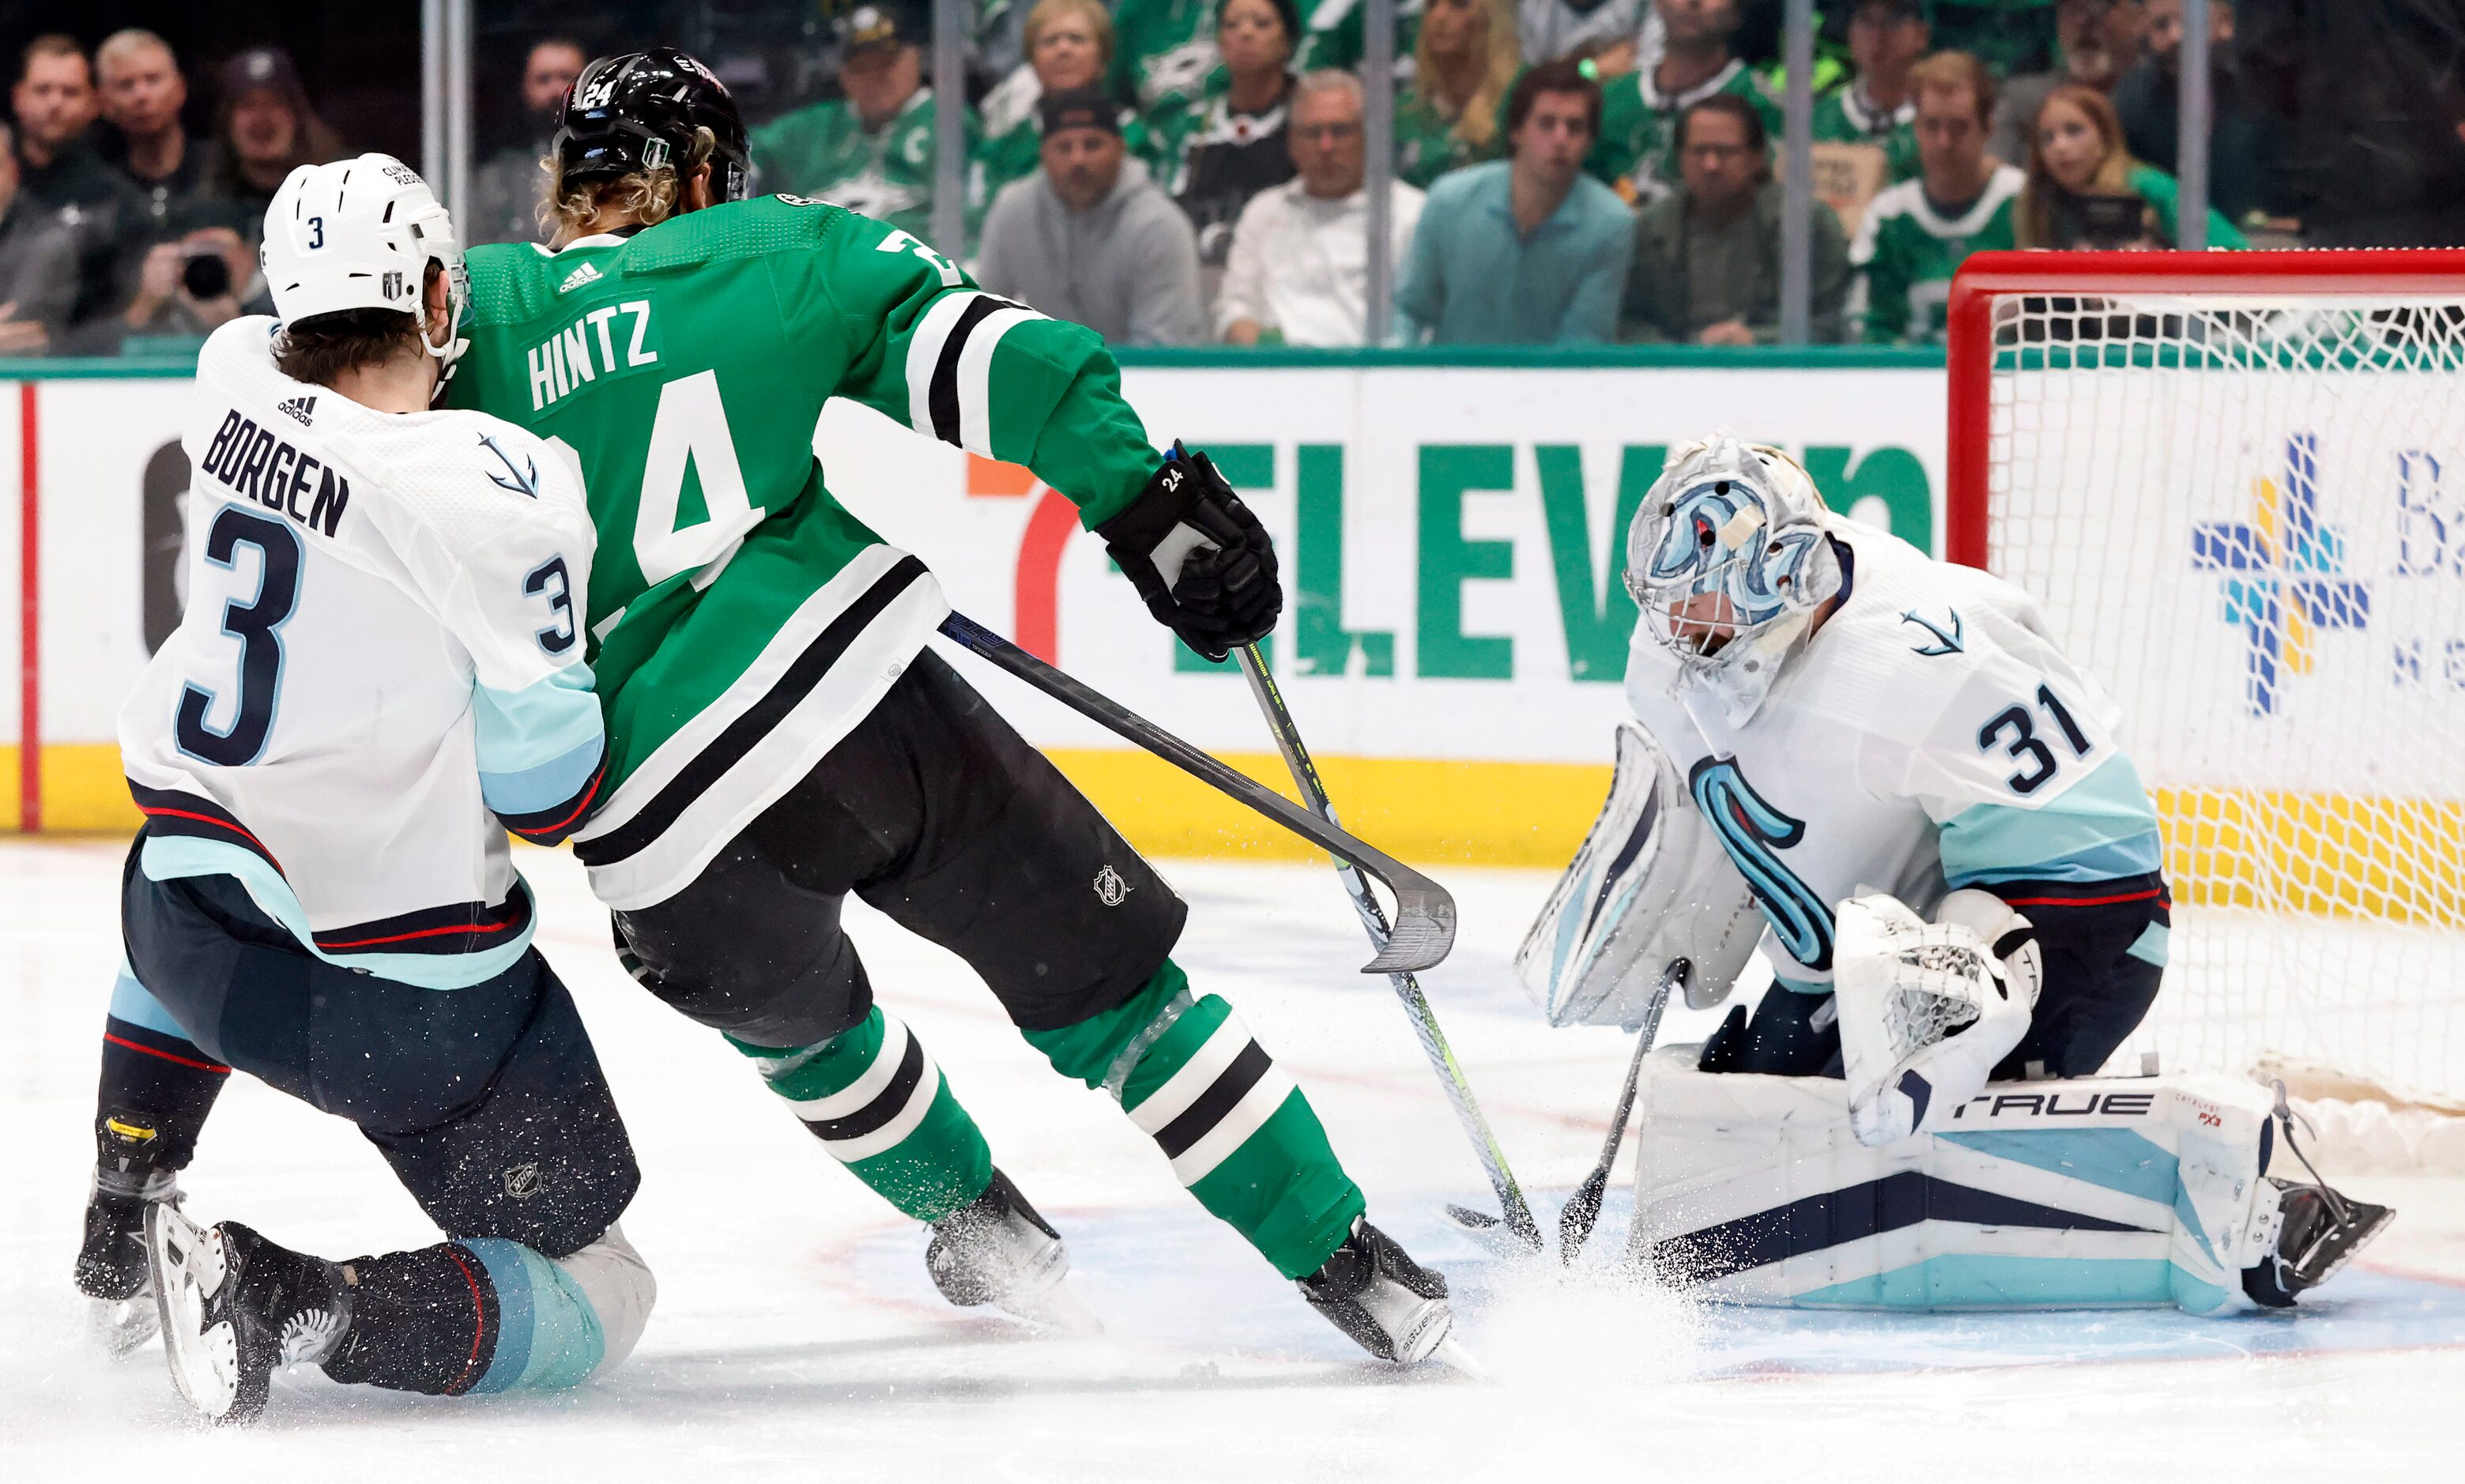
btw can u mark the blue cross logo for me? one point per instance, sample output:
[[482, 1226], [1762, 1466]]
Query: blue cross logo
[[2286, 581]]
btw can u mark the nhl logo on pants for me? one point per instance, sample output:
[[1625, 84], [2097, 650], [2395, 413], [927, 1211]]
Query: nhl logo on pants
[[1110, 888], [522, 1182]]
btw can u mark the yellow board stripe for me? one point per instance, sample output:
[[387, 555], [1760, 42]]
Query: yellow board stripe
[[2284, 851]]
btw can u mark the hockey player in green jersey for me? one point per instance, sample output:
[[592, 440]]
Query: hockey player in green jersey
[[779, 735]]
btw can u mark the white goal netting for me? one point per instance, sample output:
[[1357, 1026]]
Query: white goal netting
[[2247, 516]]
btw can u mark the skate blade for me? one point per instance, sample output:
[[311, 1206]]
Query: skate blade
[[187, 1267], [118, 1328], [1059, 1308], [2370, 1229], [1452, 1354]]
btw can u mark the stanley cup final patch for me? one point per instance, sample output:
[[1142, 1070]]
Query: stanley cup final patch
[[1110, 888]]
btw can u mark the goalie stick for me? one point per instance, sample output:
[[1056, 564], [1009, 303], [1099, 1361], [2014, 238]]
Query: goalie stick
[[1518, 1218], [1584, 1207], [1425, 915]]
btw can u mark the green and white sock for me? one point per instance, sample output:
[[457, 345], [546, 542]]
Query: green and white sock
[[881, 1107], [1240, 1134]]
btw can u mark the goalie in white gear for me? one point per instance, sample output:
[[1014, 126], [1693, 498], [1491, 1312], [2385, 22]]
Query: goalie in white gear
[[1959, 865], [380, 673]]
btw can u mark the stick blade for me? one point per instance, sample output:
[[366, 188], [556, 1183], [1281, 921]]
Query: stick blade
[[1582, 1210], [1424, 933]]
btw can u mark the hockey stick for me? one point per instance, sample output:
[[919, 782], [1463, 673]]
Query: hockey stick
[[1416, 1005], [1425, 915], [1584, 1207]]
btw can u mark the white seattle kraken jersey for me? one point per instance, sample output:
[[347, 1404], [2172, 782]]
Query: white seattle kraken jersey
[[381, 659], [1930, 735]]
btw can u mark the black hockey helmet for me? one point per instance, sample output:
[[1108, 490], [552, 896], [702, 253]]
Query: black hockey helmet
[[641, 111]]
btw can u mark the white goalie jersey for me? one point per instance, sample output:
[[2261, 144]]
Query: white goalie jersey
[[379, 671], [1929, 736]]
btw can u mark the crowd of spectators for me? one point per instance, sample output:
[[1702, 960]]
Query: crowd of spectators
[[120, 231], [1193, 171], [1178, 172]]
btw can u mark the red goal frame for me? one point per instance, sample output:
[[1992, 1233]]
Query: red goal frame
[[1969, 344]]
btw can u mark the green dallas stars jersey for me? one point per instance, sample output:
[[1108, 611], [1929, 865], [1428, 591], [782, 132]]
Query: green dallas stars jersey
[[1844, 117], [1163, 52], [825, 152], [1637, 151], [742, 620], [1905, 255]]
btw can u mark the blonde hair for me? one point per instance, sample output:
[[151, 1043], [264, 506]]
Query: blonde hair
[[123, 46], [2033, 215], [1047, 11], [641, 197], [1476, 124], [1956, 71]]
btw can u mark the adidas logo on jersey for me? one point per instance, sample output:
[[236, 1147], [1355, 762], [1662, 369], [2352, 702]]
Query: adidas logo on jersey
[[588, 273], [303, 409]]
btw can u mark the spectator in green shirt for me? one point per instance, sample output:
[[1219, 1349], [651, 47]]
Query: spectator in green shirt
[[2085, 190], [1462, 66], [1637, 151], [1913, 235], [1875, 106], [870, 151], [1525, 251]]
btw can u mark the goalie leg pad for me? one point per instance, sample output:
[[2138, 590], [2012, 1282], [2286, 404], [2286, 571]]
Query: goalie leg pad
[[2110, 1192]]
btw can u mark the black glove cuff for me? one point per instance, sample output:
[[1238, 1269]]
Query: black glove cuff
[[1170, 493]]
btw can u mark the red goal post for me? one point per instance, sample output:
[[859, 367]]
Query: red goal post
[[2236, 481], [1983, 277]]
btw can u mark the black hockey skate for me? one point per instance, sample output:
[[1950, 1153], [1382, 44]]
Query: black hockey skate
[[995, 1250], [235, 1306], [111, 1269], [111, 1261], [2322, 1231], [1370, 1289]]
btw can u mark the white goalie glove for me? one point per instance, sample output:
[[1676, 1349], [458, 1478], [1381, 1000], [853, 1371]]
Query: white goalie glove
[[1927, 1009]]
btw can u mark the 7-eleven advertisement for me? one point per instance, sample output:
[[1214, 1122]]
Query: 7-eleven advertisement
[[1450, 539]]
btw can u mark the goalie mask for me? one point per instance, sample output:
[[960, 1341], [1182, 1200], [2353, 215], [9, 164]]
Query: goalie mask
[[1728, 561]]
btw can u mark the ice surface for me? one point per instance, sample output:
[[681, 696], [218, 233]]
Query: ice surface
[[797, 1335]]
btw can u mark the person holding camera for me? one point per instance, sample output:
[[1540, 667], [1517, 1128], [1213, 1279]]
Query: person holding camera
[[187, 287], [2085, 189]]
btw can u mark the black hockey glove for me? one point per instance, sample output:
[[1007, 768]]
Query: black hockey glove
[[1198, 557]]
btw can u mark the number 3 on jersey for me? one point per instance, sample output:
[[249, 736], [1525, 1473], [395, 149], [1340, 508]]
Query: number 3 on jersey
[[689, 429], [258, 625]]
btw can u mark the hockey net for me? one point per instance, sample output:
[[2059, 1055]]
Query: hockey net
[[2236, 483]]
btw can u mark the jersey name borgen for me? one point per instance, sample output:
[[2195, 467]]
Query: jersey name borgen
[[1930, 735], [747, 619], [379, 670]]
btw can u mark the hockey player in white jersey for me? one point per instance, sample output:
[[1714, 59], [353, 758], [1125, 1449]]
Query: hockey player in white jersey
[[378, 672], [1958, 862]]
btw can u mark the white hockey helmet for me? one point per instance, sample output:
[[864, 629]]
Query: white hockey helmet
[[1727, 559], [359, 235]]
